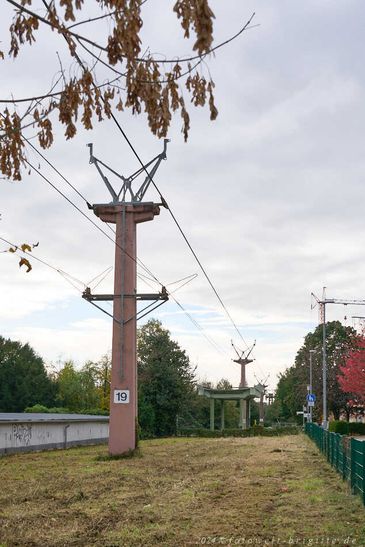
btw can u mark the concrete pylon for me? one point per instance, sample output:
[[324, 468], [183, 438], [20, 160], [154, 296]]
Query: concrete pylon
[[123, 389], [245, 414]]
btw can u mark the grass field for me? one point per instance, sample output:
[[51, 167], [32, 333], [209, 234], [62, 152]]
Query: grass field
[[179, 492]]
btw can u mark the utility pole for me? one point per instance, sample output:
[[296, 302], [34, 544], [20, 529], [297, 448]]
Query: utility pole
[[261, 386], [322, 304], [310, 390], [126, 210], [243, 360]]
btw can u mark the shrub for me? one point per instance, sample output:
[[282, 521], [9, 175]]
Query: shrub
[[62, 410], [357, 427], [254, 431], [39, 409], [59, 410], [338, 426], [347, 428]]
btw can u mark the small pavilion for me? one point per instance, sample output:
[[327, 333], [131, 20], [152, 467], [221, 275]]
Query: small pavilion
[[242, 394]]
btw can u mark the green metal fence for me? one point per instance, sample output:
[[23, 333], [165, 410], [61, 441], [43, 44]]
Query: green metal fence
[[345, 454]]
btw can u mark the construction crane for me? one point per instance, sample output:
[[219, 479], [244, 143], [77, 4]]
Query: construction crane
[[322, 302], [243, 360]]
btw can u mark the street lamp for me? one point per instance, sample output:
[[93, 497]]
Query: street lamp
[[311, 351]]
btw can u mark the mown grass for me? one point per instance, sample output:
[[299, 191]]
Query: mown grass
[[178, 492]]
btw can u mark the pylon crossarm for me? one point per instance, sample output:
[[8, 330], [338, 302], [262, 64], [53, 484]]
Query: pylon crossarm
[[243, 361], [250, 351], [238, 355], [104, 311], [149, 178], [127, 181], [95, 161], [138, 316], [87, 295], [243, 357]]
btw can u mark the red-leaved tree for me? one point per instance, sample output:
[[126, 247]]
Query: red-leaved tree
[[352, 373]]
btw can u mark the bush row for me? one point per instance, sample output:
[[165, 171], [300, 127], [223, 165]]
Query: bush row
[[251, 432], [40, 409], [347, 428]]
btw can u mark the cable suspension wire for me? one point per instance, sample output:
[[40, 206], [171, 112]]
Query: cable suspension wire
[[183, 285], [106, 271], [179, 228], [190, 277], [57, 171], [138, 261], [64, 274], [112, 116], [198, 326], [46, 179]]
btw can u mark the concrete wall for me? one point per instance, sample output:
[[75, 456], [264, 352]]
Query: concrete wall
[[29, 435]]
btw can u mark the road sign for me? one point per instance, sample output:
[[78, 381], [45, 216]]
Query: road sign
[[310, 403], [311, 398]]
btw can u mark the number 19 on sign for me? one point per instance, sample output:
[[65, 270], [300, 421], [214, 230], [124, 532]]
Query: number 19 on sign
[[121, 396]]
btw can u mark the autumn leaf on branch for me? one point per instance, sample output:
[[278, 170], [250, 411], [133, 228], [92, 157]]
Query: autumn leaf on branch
[[25, 248], [25, 262], [141, 83]]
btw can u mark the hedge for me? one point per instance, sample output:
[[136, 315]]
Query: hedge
[[60, 410], [256, 430], [347, 428]]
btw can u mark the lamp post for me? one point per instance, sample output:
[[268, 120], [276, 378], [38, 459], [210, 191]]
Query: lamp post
[[311, 351]]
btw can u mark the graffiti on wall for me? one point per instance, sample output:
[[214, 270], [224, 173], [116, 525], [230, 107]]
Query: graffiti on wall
[[22, 433]]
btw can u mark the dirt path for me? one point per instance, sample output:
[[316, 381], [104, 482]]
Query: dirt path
[[255, 491]]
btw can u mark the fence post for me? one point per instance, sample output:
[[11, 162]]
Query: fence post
[[352, 466], [330, 438], [363, 471], [319, 439], [344, 457]]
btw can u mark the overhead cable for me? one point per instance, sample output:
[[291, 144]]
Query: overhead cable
[[138, 261]]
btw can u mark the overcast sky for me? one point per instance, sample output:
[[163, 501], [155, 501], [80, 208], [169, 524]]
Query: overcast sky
[[270, 195]]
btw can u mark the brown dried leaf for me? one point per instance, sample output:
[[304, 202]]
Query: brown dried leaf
[[25, 262], [25, 247]]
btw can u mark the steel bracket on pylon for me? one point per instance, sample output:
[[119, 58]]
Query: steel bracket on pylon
[[162, 296], [126, 188]]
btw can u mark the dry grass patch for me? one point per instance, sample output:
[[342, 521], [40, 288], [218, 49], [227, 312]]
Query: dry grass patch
[[178, 492]]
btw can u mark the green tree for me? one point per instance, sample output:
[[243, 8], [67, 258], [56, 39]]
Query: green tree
[[77, 389], [292, 387], [290, 394], [102, 376], [166, 380], [23, 378], [69, 387]]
